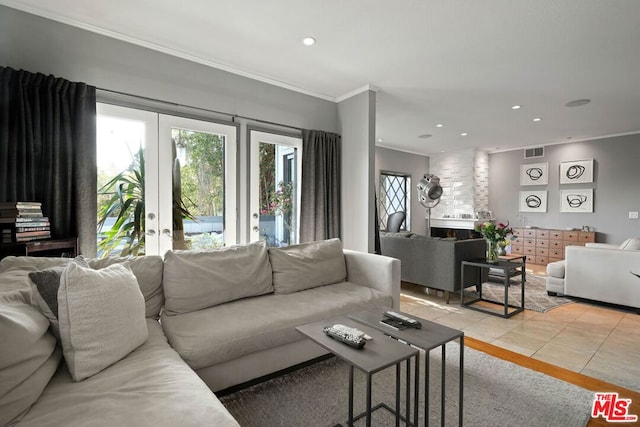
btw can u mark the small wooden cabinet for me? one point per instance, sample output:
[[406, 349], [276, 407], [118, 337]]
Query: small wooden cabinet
[[50, 248], [542, 245]]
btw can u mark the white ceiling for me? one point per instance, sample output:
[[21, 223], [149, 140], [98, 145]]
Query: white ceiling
[[462, 63]]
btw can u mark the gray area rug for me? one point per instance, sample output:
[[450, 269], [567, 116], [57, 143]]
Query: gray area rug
[[535, 294], [496, 393]]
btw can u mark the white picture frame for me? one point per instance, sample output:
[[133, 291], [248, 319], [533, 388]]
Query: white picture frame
[[534, 174], [576, 172], [533, 201], [578, 200]]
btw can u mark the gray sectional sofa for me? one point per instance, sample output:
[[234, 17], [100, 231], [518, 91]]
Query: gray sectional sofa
[[431, 261], [213, 320]]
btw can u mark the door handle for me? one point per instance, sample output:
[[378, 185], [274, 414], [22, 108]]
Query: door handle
[[255, 228], [150, 232], [166, 232]]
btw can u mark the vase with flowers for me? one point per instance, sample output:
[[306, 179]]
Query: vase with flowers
[[495, 235]]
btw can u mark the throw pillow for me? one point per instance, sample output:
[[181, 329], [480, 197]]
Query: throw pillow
[[101, 317], [45, 291], [194, 280], [148, 272], [631, 244], [308, 265], [29, 356]]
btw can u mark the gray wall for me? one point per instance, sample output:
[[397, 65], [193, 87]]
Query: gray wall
[[616, 187], [41, 45], [357, 127], [407, 163]]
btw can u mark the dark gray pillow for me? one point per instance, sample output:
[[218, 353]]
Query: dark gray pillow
[[45, 291]]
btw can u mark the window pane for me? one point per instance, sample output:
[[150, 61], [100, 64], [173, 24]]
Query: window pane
[[121, 189], [277, 194], [198, 189], [394, 197]]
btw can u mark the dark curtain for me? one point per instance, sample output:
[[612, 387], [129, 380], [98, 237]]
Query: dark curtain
[[320, 197], [48, 150], [376, 224]]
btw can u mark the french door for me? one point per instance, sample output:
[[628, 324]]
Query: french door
[[164, 182], [275, 177]]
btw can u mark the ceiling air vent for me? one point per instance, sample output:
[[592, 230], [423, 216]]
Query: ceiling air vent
[[530, 153]]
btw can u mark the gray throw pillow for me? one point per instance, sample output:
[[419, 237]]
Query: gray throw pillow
[[45, 291], [28, 356], [194, 280], [308, 265]]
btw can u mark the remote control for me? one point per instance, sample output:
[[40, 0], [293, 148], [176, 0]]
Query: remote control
[[340, 334], [412, 323]]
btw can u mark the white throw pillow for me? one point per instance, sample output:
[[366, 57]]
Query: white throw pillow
[[631, 244], [101, 316]]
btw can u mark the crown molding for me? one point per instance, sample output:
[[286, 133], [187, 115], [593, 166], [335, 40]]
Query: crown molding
[[355, 92], [14, 4]]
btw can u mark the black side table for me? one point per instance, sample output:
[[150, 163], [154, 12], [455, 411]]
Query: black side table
[[509, 267]]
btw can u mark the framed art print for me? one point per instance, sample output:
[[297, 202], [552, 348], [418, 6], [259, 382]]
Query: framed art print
[[576, 172], [577, 200], [534, 174], [533, 201]]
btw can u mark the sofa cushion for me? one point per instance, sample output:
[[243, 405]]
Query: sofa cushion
[[271, 322], [556, 269], [194, 280], [45, 291], [152, 386], [101, 315], [148, 272], [147, 269], [631, 244], [307, 265], [29, 356]]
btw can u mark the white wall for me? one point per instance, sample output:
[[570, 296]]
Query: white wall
[[411, 164], [357, 127]]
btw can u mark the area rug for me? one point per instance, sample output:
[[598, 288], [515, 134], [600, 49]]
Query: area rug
[[496, 393], [535, 294]]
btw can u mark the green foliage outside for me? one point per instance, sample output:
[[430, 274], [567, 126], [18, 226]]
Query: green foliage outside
[[198, 178], [122, 197]]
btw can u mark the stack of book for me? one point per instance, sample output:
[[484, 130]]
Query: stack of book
[[23, 222]]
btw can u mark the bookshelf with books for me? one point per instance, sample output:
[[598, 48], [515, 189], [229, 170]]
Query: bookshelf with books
[[22, 222]]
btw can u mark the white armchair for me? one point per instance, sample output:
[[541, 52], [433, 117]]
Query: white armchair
[[603, 272]]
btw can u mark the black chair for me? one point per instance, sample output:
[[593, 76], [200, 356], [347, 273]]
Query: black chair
[[395, 220]]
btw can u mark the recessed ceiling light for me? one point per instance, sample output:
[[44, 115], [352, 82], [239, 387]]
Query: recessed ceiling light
[[439, 125], [537, 119], [464, 134], [380, 139], [425, 135], [577, 103], [516, 107], [308, 41]]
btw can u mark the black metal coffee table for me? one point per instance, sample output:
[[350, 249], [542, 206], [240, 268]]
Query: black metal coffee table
[[430, 336], [379, 353], [509, 267]]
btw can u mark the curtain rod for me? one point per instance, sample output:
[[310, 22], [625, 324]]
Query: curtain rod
[[175, 104]]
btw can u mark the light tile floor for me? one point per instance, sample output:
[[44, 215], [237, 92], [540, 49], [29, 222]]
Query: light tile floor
[[591, 339]]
